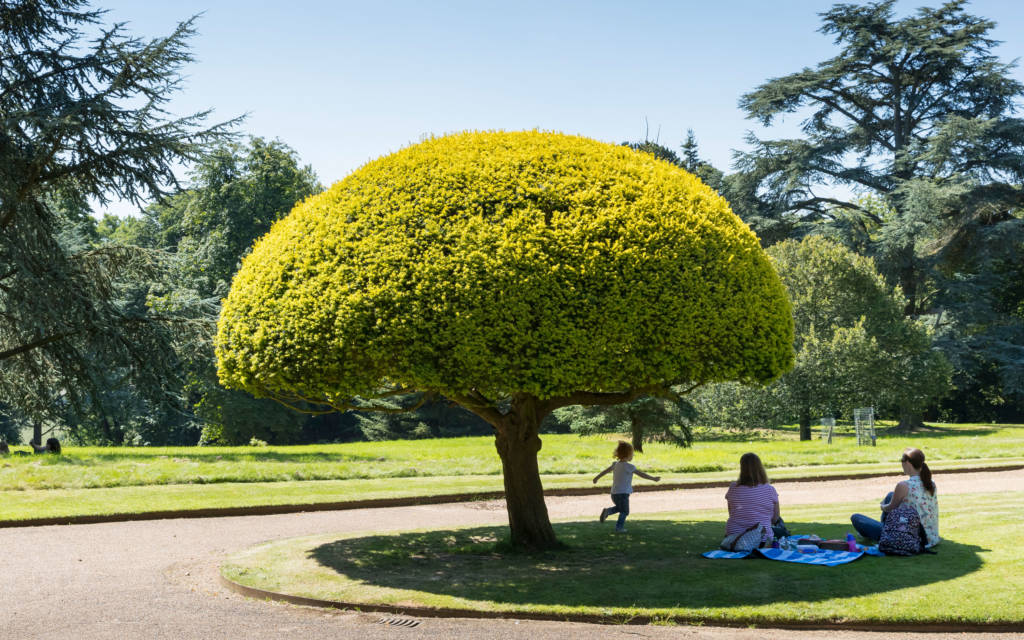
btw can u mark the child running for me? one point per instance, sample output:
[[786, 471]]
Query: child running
[[622, 484]]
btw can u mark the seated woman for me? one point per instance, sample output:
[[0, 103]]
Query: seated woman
[[52, 446], [753, 501], [918, 491]]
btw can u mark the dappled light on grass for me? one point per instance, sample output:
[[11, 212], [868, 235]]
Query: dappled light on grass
[[947, 432], [657, 565], [656, 571], [232, 455]]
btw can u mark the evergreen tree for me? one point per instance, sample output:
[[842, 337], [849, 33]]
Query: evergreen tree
[[646, 419], [236, 192], [659, 151], [9, 431], [82, 116], [918, 114], [691, 159]]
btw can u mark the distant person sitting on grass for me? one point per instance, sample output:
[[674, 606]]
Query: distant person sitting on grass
[[52, 446], [918, 490], [4, 449], [753, 501], [622, 484]]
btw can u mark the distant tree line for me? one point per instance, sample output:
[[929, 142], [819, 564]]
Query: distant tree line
[[910, 156], [895, 220]]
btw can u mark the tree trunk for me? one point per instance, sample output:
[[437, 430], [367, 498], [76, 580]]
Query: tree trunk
[[805, 423], [909, 420], [37, 434], [518, 442], [637, 431], [908, 280]]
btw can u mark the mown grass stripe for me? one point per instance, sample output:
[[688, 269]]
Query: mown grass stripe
[[146, 511]]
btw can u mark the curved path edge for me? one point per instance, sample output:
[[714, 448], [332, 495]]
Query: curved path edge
[[411, 501], [429, 612]]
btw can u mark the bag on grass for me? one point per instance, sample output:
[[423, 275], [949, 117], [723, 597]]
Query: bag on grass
[[901, 532], [745, 540]]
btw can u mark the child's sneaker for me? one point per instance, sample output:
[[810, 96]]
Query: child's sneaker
[[604, 514], [623, 530]]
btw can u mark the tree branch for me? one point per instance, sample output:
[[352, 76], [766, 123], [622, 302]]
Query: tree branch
[[42, 342], [839, 203], [312, 412], [391, 393], [690, 389], [8, 216], [342, 407], [839, 176], [861, 122], [593, 398], [471, 402]]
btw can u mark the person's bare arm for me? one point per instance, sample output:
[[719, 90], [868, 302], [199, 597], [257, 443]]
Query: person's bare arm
[[649, 477], [898, 494], [598, 476], [776, 514]]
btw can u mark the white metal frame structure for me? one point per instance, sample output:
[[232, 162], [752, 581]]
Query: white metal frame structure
[[864, 419], [828, 429]]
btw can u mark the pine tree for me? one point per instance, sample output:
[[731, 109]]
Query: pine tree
[[82, 116], [917, 114], [691, 159]]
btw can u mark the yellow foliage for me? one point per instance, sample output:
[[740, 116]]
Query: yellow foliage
[[505, 262]]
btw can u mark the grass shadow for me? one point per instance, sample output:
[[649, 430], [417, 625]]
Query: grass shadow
[[657, 565], [941, 432], [27, 457], [212, 455]]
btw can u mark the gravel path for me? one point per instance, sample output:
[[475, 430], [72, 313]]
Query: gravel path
[[158, 579]]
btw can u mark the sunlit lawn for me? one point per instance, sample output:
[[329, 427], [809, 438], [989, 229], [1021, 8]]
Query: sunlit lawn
[[656, 571], [92, 480], [89, 467]]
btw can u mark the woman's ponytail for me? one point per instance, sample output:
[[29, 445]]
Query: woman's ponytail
[[916, 459], [926, 478]]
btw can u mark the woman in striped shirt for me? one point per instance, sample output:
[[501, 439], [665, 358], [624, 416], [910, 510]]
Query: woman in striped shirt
[[752, 500]]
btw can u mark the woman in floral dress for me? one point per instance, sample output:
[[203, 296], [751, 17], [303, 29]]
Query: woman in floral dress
[[918, 490]]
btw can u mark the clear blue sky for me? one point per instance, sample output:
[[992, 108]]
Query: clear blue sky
[[345, 82]]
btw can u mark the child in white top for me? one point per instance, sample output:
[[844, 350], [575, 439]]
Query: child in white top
[[622, 484]]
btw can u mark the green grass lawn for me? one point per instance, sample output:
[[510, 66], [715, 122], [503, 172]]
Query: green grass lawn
[[94, 467], [67, 503], [656, 571], [98, 481]]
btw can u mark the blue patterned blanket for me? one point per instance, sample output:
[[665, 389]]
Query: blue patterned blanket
[[823, 557]]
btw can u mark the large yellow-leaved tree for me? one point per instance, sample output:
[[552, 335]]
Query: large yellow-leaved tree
[[512, 273]]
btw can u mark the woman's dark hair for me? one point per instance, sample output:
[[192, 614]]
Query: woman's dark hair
[[916, 459], [53, 445], [752, 472], [623, 450]]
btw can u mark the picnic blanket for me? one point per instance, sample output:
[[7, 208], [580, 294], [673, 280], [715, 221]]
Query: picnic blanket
[[718, 554], [823, 557]]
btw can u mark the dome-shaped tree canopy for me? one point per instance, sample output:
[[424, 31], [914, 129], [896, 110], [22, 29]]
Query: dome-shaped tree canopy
[[520, 262]]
